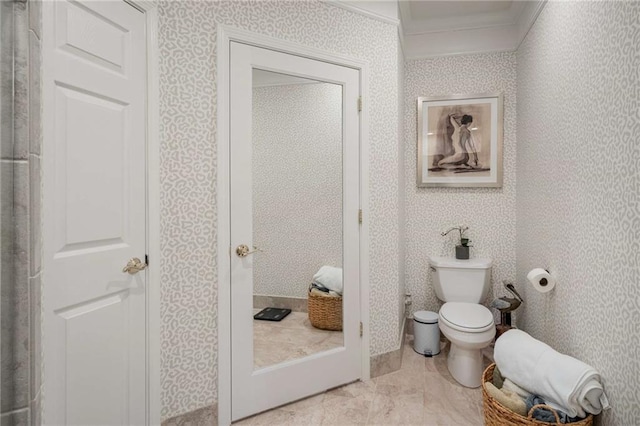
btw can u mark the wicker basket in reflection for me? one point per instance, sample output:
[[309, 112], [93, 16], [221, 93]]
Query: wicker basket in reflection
[[325, 312]]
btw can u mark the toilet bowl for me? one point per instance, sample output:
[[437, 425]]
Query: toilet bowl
[[463, 285], [470, 328]]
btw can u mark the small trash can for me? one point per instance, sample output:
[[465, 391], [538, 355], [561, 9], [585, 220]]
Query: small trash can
[[426, 333]]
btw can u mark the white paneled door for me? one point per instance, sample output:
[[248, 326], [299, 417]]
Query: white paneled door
[[299, 373], [94, 167]]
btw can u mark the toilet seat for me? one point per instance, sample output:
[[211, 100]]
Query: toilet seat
[[467, 317]]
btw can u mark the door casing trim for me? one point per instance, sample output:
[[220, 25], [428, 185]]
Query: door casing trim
[[153, 322], [225, 36], [154, 405]]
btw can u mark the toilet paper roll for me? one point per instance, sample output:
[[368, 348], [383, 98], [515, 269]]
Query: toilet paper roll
[[541, 280]]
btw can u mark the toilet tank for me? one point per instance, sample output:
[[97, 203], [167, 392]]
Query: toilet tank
[[456, 280]]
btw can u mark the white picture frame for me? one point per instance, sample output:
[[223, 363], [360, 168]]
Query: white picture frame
[[460, 141]]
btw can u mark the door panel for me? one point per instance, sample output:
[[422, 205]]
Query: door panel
[[91, 35], [267, 183], [94, 170], [90, 343]]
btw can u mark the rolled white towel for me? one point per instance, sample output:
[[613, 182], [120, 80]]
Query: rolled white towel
[[563, 382], [330, 277]]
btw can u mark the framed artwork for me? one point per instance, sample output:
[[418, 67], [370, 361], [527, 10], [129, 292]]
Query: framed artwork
[[460, 141]]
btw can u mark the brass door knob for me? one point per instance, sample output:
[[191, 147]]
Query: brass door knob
[[134, 265], [243, 250]]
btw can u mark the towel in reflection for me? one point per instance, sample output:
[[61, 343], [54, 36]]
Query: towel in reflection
[[330, 278], [321, 290]]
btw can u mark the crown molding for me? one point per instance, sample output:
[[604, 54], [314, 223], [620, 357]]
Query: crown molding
[[456, 23], [404, 13], [462, 42], [492, 36], [502, 31], [529, 17], [401, 42], [363, 11]]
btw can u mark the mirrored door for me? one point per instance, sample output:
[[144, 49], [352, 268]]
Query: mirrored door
[[297, 217], [294, 228]]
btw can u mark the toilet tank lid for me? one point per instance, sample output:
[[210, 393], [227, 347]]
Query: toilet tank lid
[[452, 262]]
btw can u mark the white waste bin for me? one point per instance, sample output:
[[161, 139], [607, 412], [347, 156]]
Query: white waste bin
[[426, 333]]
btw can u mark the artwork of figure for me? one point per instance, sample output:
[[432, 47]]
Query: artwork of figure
[[458, 141], [465, 151]]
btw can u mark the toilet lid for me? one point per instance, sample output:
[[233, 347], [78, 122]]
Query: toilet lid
[[466, 315]]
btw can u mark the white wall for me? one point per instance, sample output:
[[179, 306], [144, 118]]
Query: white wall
[[297, 185], [489, 212], [187, 38], [579, 189]]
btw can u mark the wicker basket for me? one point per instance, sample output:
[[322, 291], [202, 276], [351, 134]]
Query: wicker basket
[[325, 312], [495, 414]]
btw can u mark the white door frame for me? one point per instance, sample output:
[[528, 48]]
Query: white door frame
[[149, 8], [225, 36], [154, 408]]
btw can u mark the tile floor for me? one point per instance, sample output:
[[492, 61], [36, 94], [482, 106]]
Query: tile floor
[[422, 392], [293, 337]]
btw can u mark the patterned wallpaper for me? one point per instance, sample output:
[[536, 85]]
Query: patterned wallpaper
[[297, 185], [187, 39], [489, 212], [579, 189]]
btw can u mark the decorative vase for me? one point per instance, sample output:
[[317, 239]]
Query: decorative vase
[[462, 252]]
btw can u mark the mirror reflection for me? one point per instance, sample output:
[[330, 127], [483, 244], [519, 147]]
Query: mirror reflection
[[297, 217]]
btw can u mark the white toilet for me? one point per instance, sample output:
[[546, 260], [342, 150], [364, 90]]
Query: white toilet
[[469, 326]]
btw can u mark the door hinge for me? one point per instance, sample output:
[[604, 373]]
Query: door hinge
[[146, 259], [361, 329], [360, 216], [359, 103]]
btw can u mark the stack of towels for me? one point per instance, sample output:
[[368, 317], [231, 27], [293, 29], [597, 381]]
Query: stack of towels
[[529, 372], [327, 282]]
